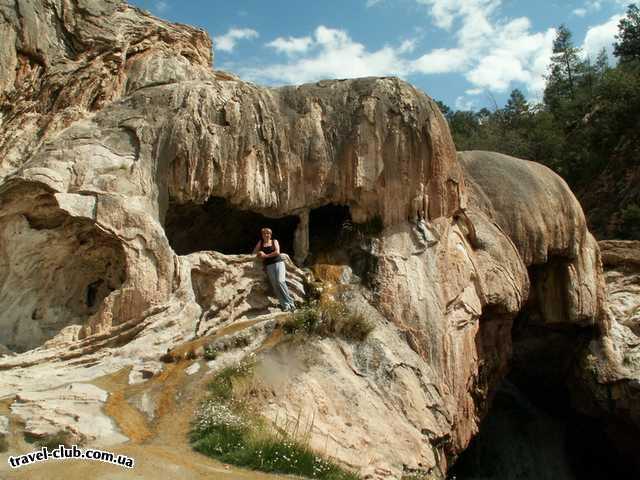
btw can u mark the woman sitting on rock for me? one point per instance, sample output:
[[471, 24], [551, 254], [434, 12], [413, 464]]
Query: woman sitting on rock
[[268, 249]]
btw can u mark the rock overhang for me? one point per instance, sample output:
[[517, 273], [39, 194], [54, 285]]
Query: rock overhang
[[377, 145]]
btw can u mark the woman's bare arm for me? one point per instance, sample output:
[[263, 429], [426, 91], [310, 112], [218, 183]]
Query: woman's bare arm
[[256, 249]]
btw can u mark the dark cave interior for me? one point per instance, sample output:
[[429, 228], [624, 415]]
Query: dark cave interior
[[533, 429], [217, 225]]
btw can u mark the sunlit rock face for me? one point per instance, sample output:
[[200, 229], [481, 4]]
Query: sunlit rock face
[[122, 123], [607, 385], [124, 159]]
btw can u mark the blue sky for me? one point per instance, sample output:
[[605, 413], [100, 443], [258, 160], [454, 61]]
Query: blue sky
[[468, 53]]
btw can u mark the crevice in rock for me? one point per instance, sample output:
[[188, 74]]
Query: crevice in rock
[[218, 225], [544, 369]]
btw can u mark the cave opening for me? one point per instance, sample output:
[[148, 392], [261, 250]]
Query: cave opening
[[329, 230], [218, 225], [335, 238], [522, 438], [533, 428], [73, 267]]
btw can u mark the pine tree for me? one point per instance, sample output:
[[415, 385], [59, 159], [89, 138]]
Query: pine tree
[[565, 71], [516, 105], [444, 109], [627, 48], [602, 63]]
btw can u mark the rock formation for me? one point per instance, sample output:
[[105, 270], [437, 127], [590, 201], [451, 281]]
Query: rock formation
[[607, 387], [129, 171]]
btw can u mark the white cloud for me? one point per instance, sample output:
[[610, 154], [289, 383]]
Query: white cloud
[[591, 6], [407, 46], [227, 42], [500, 51], [492, 55], [441, 60], [594, 5], [465, 104], [491, 51], [291, 45], [496, 72], [601, 36], [514, 55], [371, 3], [473, 14], [161, 5], [332, 53]]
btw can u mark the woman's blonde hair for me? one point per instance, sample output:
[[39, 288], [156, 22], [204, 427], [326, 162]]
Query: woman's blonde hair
[[266, 230]]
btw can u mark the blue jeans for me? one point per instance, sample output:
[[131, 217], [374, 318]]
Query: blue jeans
[[277, 276]]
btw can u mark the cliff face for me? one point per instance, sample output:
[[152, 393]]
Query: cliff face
[[607, 384], [118, 143]]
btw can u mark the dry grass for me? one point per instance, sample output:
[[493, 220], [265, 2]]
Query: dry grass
[[329, 318], [54, 440]]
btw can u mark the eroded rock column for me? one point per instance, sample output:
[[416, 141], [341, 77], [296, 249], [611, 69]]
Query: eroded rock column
[[301, 238]]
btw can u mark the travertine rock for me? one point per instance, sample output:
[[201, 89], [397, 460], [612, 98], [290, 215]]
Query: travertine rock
[[108, 129], [64, 59], [608, 375], [76, 407], [538, 212]]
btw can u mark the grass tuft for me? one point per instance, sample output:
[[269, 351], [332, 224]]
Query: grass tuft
[[226, 429], [210, 353], [54, 440], [329, 318], [221, 387]]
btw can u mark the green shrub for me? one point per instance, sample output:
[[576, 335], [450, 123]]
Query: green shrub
[[54, 440], [221, 387], [356, 327], [630, 227], [305, 318], [267, 454], [210, 353], [329, 318]]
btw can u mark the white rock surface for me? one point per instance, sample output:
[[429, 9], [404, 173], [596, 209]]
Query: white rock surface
[[76, 407]]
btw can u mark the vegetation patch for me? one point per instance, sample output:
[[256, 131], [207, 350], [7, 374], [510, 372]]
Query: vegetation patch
[[630, 228], [329, 318], [228, 429], [210, 353], [54, 440]]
